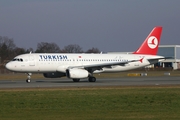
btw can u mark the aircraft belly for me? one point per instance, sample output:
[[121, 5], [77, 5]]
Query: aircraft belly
[[46, 68]]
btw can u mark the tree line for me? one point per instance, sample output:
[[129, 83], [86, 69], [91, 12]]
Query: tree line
[[8, 49]]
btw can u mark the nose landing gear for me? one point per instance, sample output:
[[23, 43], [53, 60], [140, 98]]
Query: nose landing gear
[[28, 80]]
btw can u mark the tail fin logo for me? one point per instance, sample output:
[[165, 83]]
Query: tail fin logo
[[152, 42]]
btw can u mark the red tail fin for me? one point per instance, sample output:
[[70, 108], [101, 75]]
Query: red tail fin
[[151, 43]]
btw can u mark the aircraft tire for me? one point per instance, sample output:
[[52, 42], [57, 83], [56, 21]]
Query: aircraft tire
[[92, 79], [28, 80]]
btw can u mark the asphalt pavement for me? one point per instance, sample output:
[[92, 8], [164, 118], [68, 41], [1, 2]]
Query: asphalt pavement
[[122, 81]]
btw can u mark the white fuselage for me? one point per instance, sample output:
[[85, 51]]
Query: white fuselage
[[57, 62], [78, 66]]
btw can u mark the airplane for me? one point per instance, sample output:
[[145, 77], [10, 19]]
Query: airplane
[[78, 66]]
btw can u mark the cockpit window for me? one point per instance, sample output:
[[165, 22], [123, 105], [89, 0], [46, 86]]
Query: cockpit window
[[18, 59], [14, 59]]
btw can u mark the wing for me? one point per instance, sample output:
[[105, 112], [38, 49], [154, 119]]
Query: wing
[[94, 67], [156, 60]]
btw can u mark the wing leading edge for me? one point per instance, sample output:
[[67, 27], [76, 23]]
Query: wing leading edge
[[94, 67]]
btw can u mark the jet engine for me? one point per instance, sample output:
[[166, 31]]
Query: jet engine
[[54, 75], [76, 73]]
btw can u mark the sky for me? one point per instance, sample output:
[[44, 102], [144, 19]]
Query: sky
[[109, 25]]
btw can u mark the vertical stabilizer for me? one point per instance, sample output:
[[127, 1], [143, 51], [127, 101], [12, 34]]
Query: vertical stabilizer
[[151, 43]]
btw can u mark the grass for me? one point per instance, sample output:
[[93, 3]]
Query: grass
[[112, 103]]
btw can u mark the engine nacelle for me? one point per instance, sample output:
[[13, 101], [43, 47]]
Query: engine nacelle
[[54, 75], [76, 73]]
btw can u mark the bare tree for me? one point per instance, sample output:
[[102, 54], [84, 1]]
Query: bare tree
[[73, 48], [9, 43], [19, 51], [45, 47], [7, 47], [93, 50]]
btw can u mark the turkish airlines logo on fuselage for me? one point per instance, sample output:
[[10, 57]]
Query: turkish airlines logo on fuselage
[[152, 42]]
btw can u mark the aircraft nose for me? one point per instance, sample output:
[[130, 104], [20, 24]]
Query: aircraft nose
[[8, 66]]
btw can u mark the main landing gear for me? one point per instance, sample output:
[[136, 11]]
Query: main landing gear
[[92, 79], [28, 80]]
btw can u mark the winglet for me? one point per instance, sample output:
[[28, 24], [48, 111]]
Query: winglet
[[151, 43]]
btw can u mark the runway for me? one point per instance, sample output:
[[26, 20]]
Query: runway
[[123, 81]]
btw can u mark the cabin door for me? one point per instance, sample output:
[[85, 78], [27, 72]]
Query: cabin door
[[31, 60]]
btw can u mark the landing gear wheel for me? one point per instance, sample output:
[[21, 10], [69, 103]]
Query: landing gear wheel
[[28, 80], [76, 80], [92, 79]]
